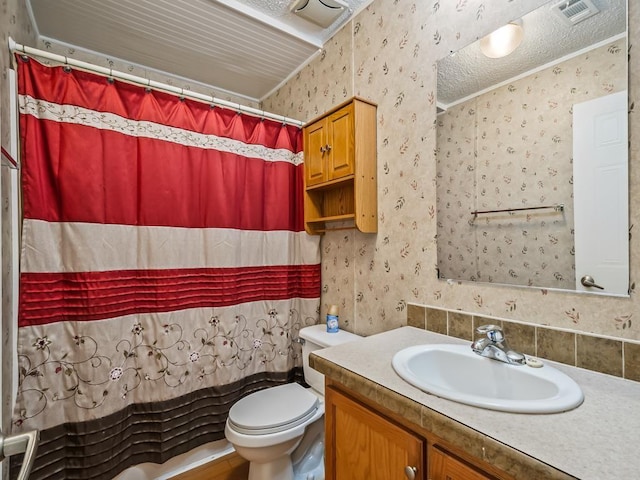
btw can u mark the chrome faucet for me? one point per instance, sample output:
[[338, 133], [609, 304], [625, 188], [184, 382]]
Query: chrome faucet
[[494, 345]]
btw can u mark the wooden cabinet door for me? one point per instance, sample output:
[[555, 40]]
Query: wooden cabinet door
[[443, 466], [315, 142], [341, 143], [362, 445]]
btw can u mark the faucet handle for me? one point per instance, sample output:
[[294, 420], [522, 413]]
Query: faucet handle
[[493, 332]]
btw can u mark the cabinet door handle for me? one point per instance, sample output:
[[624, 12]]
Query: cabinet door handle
[[327, 148], [410, 472]]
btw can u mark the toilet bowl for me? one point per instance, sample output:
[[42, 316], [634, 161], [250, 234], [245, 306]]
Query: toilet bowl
[[271, 426]]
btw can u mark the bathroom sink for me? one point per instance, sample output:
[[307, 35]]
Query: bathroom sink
[[456, 373]]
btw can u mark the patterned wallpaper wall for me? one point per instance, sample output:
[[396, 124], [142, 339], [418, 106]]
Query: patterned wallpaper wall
[[387, 54], [512, 148], [14, 23]]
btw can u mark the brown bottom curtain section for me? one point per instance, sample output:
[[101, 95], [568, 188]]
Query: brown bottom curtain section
[[150, 432]]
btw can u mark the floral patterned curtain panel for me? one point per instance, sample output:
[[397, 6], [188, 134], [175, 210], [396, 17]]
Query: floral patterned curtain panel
[[165, 271]]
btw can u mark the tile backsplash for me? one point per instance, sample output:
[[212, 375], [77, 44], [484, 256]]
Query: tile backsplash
[[592, 352]]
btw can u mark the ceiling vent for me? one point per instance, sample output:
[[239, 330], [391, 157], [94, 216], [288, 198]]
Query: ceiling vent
[[575, 11], [320, 12]]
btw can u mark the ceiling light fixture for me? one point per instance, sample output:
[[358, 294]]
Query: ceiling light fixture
[[503, 41]]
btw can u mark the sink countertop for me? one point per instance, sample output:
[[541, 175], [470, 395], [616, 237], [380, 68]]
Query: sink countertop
[[595, 441]]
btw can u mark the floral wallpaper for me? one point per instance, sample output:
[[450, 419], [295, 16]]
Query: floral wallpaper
[[387, 54], [14, 23], [512, 148]]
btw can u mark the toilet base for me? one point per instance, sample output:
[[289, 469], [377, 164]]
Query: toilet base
[[279, 468], [270, 462]]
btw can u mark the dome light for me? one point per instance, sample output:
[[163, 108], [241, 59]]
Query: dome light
[[503, 41]]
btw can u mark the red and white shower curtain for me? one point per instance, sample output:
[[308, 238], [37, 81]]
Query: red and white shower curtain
[[165, 271]]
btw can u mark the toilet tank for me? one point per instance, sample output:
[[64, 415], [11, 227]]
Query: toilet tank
[[316, 337]]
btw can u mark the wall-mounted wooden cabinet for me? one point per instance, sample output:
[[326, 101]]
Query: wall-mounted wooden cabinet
[[340, 169]]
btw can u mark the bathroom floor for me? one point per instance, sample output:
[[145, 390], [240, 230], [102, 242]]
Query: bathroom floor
[[229, 467]]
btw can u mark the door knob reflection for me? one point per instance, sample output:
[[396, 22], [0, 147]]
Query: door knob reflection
[[588, 281]]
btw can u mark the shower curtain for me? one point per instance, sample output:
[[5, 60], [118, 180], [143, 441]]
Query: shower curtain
[[165, 271]]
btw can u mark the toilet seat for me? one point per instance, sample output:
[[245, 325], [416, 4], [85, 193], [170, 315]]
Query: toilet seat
[[273, 410]]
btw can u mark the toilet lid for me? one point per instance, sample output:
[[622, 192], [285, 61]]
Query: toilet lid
[[273, 410]]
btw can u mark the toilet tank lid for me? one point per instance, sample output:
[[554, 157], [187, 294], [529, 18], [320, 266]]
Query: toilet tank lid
[[318, 334]]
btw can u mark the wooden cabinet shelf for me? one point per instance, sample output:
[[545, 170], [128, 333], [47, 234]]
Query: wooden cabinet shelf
[[340, 169], [331, 184], [335, 218]]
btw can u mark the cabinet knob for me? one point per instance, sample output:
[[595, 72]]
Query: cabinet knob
[[410, 472], [322, 149], [327, 148]]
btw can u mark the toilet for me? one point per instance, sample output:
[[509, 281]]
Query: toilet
[[280, 430]]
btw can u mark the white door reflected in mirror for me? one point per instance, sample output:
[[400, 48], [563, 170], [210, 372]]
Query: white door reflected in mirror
[[600, 192]]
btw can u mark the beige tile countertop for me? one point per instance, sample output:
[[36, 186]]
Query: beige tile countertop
[[596, 441]]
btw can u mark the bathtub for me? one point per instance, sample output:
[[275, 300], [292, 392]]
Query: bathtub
[[180, 464]]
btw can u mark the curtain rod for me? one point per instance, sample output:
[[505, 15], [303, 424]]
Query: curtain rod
[[16, 47]]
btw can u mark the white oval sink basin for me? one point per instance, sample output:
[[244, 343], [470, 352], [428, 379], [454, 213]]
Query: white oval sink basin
[[456, 373]]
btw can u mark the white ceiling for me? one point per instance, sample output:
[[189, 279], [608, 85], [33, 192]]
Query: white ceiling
[[250, 47], [546, 38], [245, 47]]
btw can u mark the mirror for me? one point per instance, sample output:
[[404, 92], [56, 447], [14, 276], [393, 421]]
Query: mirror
[[509, 206]]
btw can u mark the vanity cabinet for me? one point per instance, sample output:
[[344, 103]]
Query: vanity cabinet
[[445, 466], [362, 445], [364, 441], [340, 169]]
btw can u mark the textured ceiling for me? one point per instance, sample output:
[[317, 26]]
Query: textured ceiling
[[246, 47], [546, 38]]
